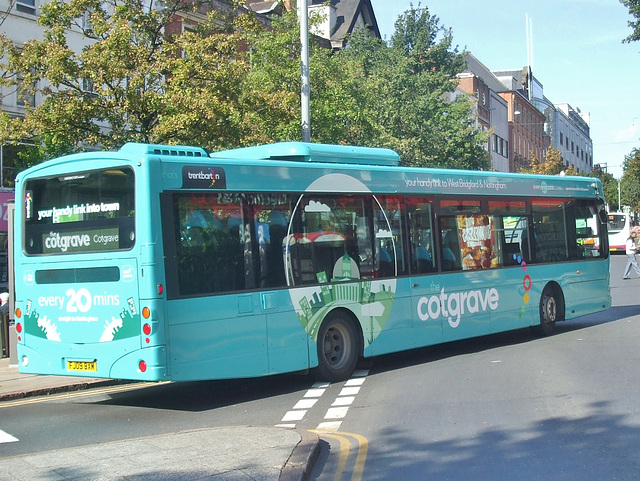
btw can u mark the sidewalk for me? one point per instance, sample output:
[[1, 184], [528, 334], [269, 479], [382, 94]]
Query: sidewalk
[[220, 454]]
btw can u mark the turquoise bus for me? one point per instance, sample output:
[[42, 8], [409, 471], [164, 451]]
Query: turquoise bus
[[161, 262]]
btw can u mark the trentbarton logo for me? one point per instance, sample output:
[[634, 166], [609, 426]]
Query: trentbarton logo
[[194, 177], [453, 306]]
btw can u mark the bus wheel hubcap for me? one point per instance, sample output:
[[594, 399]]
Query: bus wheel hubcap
[[336, 346], [550, 310]]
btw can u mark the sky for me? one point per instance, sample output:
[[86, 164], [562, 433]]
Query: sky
[[577, 55]]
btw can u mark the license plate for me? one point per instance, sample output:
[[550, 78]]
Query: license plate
[[82, 366]]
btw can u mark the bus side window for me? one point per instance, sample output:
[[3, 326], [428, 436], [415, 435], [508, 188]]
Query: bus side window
[[586, 231], [270, 229], [421, 235], [516, 240], [209, 245], [389, 234], [331, 240], [450, 244], [550, 242]]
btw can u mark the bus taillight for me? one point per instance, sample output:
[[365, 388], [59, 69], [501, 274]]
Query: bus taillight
[[146, 329], [160, 289], [142, 366]]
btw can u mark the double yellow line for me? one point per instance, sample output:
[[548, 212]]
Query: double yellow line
[[344, 440]]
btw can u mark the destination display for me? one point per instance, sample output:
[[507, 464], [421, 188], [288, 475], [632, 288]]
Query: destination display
[[85, 240]]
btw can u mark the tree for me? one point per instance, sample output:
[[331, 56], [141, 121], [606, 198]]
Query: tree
[[130, 82], [231, 82], [634, 11], [609, 185], [552, 164], [630, 182], [405, 89]]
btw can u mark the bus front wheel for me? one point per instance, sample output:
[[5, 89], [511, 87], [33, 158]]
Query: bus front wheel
[[550, 310], [338, 348]]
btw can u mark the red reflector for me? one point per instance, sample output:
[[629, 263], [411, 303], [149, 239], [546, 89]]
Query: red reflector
[[160, 289], [142, 366], [146, 329], [18, 328]]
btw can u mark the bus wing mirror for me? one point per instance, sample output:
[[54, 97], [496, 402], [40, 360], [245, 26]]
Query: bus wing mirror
[[604, 217]]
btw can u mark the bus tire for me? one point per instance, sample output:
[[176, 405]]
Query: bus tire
[[338, 347], [551, 310]]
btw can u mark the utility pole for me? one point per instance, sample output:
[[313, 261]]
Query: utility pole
[[304, 61]]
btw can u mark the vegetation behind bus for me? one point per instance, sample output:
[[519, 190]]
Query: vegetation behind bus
[[231, 82]]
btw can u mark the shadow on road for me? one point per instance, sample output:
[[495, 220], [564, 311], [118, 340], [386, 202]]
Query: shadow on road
[[198, 396], [597, 446]]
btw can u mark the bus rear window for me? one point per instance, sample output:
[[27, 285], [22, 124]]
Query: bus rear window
[[616, 222], [81, 212]]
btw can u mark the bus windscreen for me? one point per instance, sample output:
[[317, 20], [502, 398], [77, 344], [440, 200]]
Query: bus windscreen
[[84, 212]]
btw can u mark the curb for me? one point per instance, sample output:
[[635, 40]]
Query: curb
[[302, 459]]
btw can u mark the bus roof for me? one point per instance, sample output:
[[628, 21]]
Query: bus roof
[[307, 152]]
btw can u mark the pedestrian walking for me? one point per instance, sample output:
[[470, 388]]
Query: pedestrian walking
[[631, 256]]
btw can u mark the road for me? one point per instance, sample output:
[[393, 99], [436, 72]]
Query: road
[[509, 406]]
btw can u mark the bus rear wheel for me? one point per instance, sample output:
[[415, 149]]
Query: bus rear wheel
[[550, 310], [338, 348]]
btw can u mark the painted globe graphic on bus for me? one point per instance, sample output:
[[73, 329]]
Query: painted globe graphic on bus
[[335, 249]]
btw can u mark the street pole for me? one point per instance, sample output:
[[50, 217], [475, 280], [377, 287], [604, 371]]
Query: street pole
[[619, 206], [304, 61]]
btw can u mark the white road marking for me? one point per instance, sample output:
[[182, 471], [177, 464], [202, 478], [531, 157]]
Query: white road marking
[[305, 404], [349, 391], [355, 382], [344, 401], [294, 416], [336, 413], [329, 426], [314, 393], [7, 438], [338, 409]]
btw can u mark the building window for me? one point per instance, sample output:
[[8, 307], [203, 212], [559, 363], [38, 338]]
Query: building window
[[26, 6], [24, 94], [89, 89]]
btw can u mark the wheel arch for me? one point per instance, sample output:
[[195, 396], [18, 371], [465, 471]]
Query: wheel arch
[[345, 327], [559, 295], [356, 323]]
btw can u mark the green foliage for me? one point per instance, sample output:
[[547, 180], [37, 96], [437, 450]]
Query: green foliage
[[403, 90], [634, 11], [609, 185], [231, 82], [630, 182], [552, 164]]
